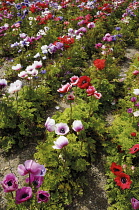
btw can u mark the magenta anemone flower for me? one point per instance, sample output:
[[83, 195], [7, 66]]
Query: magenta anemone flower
[[35, 180], [32, 167], [77, 125], [9, 183], [23, 194], [42, 196], [134, 203], [133, 99], [130, 110], [50, 124], [61, 142], [61, 128]]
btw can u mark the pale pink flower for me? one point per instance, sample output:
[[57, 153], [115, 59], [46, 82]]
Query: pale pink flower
[[61, 142], [77, 125], [15, 87], [65, 88], [61, 128], [50, 124], [74, 80], [97, 95], [17, 67]]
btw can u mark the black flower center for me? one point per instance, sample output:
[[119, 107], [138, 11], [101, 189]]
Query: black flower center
[[24, 195], [135, 149], [116, 169], [62, 130], [123, 180], [9, 183], [35, 183], [84, 81], [42, 197]]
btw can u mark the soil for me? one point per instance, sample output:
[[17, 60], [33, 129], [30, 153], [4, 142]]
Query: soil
[[94, 197]]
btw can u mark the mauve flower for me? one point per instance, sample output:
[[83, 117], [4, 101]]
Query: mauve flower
[[134, 149], [9, 183], [130, 110], [35, 180], [61, 128], [61, 142], [136, 91], [134, 203], [42, 196], [23, 194], [30, 166], [137, 104], [107, 37], [50, 124], [90, 90], [118, 28], [98, 45], [15, 87], [65, 88], [91, 25], [3, 83], [77, 125], [133, 99]]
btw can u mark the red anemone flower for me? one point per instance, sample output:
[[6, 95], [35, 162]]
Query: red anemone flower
[[123, 181], [133, 134], [116, 169], [84, 82], [134, 149], [99, 63]]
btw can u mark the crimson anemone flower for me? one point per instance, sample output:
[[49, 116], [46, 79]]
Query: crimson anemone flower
[[116, 169], [77, 125], [133, 134], [9, 183], [123, 181], [61, 128], [61, 142], [84, 82], [23, 194], [134, 149], [42, 196], [90, 90], [32, 167], [134, 203], [99, 63]]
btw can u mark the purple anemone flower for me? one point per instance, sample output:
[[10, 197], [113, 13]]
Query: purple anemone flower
[[35, 180], [23, 194], [3, 83], [61, 142], [61, 128], [134, 203], [130, 110], [77, 125], [9, 183], [133, 99], [32, 167], [42, 196]]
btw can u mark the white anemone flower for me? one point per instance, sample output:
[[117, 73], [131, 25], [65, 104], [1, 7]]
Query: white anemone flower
[[136, 114], [77, 125], [17, 67], [61, 128], [50, 124], [61, 142], [136, 91], [15, 87]]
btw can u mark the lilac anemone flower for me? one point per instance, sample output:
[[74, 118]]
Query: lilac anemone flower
[[42, 196], [61, 128], [61, 142], [32, 167], [50, 124], [77, 125], [9, 183], [23, 194], [134, 203]]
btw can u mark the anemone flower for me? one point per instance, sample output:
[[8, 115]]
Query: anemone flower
[[32, 167], [77, 126], [23, 194], [136, 114], [17, 67], [15, 87], [134, 203], [61, 128], [90, 90], [65, 88], [50, 124], [84, 82], [123, 181], [136, 91], [61, 142], [74, 80], [3, 83], [9, 183], [35, 180], [42, 196], [134, 149], [115, 169]]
